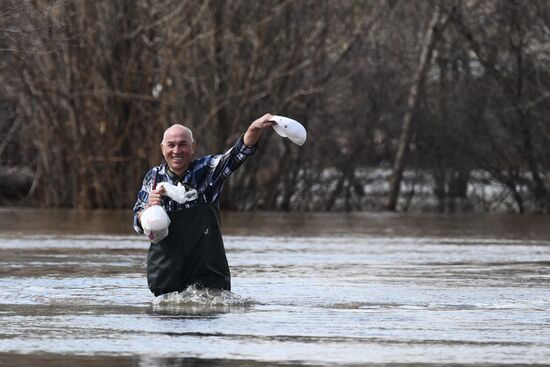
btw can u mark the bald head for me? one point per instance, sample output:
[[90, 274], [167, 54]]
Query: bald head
[[177, 128], [178, 148]]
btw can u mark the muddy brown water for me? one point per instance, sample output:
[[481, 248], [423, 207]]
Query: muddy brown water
[[308, 289]]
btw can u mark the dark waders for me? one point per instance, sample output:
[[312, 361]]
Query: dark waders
[[192, 253]]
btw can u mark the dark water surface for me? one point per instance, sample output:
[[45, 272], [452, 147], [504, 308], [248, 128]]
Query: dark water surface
[[308, 289]]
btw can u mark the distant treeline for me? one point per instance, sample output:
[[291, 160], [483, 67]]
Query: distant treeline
[[436, 94]]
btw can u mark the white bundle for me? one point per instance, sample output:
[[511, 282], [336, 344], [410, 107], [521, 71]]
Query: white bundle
[[155, 222], [179, 193], [154, 219]]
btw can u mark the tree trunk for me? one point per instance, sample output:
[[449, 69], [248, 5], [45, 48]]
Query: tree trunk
[[412, 102]]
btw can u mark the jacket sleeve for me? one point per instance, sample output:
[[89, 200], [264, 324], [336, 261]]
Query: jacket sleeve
[[142, 198], [223, 165]]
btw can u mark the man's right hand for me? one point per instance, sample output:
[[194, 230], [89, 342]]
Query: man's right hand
[[155, 196]]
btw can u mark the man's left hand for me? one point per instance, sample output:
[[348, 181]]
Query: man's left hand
[[254, 131]]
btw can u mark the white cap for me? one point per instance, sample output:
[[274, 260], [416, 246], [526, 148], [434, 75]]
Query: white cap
[[289, 128]]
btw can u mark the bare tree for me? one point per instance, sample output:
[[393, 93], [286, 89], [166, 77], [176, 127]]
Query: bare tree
[[388, 93], [424, 62]]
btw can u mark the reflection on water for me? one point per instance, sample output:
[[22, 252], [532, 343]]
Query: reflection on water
[[307, 290], [100, 222]]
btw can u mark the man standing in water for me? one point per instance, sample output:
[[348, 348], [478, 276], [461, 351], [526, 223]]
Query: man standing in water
[[193, 251]]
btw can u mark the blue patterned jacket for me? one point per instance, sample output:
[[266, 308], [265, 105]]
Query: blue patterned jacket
[[206, 174]]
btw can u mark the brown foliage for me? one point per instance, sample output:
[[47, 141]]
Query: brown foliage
[[87, 88]]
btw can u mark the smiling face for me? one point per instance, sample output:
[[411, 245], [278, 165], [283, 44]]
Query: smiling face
[[178, 148]]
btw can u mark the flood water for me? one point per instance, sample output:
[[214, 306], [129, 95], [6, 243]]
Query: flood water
[[307, 289]]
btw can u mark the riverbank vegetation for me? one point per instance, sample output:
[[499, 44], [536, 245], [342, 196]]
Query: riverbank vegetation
[[426, 102]]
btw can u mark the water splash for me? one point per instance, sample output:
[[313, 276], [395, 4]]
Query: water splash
[[194, 296]]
